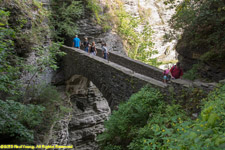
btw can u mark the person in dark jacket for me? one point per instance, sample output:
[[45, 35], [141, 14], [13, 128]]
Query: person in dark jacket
[[86, 45]]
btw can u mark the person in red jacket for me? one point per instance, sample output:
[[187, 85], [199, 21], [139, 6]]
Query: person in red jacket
[[176, 71]]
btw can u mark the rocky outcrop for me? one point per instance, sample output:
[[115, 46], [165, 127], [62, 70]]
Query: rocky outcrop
[[81, 126], [89, 28], [59, 132], [94, 32], [90, 110], [198, 50], [158, 16], [202, 41]]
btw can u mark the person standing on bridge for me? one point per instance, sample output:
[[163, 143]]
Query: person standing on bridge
[[92, 49], [166, 75], [76, 42], [176, 71], [105, 51], [86, 45]]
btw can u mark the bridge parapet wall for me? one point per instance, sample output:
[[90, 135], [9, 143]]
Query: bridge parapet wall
[[135, 65], [156, 73]]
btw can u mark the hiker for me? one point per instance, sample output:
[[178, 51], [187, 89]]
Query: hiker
[[92, 49], [166, 75], [105, 52], [76, 42], [86, 45], [176, 71]]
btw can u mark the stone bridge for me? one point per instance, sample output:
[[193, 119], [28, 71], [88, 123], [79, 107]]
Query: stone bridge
[[120, 77]]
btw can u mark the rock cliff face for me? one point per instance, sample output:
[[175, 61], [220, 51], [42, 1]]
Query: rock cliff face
[[90, 110], [94, 32], [88, 27], [158, 17], [190, 54], [31, 31]]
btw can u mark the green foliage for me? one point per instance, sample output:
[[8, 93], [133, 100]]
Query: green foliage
[[26, 122], [192, 74], [9, 62], [12, 37], [161, 125], [22, 31], [55, 108], [18, 120], [95, 8], [203, 26], [102, 18], [26, 24], [63, 18], [14, 41], [48, 56], [139, 43], [123, 124], [166, 126], [46, 59], [112, 147], [207, 132]]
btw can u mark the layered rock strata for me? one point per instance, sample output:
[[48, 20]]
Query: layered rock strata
[[90, 110]]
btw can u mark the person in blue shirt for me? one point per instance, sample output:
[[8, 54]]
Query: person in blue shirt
[[76, 42]]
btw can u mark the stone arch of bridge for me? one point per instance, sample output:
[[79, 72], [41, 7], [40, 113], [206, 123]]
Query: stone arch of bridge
[[115, 82], [118, 79]]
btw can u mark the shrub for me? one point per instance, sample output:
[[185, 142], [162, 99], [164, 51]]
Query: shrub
[[63, 18], [9, 62], [161, 125], [47, 96], [192, 74], [18, 120], [145, 122], [124, 123], [207, 132]]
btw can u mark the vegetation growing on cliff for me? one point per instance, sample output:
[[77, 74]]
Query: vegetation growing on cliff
[[63, 18], [202, 41], [137, 43], [147, 122], [23, 31]]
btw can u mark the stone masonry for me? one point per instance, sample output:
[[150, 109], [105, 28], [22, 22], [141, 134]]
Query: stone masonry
[[118, 81]]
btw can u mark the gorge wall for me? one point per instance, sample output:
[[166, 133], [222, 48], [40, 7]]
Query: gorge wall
[[209, 61], [90, 110], [158, 15], [154, 11]]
